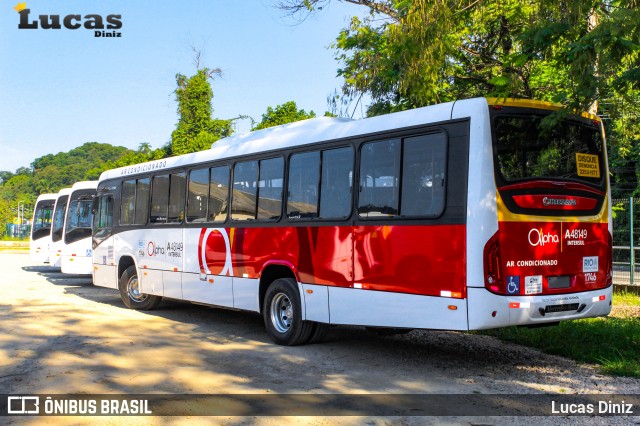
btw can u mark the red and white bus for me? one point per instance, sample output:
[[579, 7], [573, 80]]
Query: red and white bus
[[467, 215], [40, 238], [75, 255], [57, 227]]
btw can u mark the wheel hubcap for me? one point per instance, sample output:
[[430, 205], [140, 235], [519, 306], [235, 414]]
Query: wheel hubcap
[[133, 289], [281, 313]]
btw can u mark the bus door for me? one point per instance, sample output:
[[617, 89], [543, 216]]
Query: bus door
[[164, 245], [104, 265]]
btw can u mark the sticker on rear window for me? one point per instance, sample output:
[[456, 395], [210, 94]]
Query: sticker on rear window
[[533, 284], [590, 264], [513, 284], [588, 165]]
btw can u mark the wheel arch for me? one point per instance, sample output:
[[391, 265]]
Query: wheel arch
[[124, 262], [272, 271]]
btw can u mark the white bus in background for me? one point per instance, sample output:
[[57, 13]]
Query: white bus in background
[[40, 237], [57, 227], [75, 257]]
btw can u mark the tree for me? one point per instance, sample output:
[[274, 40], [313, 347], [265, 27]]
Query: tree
[[142, 155], [196, 129], [411, 53], [52, 172], [288, 112], [5, 176], [584, 54]]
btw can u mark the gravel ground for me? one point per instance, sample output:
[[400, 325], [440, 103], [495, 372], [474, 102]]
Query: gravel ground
[[60, 334]]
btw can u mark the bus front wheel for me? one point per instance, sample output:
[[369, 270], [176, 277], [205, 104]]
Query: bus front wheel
[[282, 314], [130, 294]]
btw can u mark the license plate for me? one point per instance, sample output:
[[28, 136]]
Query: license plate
[[563, 281], [561, 308]]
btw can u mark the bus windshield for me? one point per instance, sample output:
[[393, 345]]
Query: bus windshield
[[79, 217], [528, 149], [42, 219], [58, 218]]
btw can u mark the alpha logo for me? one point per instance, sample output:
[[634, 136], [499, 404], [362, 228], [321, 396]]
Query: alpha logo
[[538, 238], [154, 250], [214, 252], [94, 22], [546, 201]]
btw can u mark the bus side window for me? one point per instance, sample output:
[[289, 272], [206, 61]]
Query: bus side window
[[127, 202], [159, 199], [198, 195], [142, 201], [243, 204], [270, 189], [219, 194], [134, 202], [176, 198], [379, 179], [423, 175], [304, 177], [336, 183]]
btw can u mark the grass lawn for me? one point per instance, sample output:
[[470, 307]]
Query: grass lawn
[[612, 342]]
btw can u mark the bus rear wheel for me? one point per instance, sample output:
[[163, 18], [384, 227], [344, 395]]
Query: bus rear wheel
[[282, 313], [130, 294]]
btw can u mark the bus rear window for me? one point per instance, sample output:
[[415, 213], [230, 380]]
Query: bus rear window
[[527, 149]]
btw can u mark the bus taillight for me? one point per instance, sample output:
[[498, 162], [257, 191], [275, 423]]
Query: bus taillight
[[610, 259], [492, 276]]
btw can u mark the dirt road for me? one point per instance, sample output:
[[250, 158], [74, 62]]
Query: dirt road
[[60, 334]]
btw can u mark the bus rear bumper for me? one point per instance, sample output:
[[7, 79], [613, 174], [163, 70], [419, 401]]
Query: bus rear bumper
[[488, 310]]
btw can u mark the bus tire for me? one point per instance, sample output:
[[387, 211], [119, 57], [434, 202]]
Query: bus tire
[[130, 295], [282, 313], [319, 332], [388, 331]]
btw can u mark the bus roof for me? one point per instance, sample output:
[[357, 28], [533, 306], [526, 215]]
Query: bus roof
[[320, 129], [64, 191], [85, 184], [530, 103], [295, 134], [48, 196]]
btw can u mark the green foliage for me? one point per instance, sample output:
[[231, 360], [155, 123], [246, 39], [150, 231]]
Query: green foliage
[[430, 52], [282, 114], [613, 343], [411, 53], [583, 54], [196, 129], [52, 172], [142, 155]]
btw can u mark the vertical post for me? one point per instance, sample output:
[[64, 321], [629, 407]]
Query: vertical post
[[632, 253]]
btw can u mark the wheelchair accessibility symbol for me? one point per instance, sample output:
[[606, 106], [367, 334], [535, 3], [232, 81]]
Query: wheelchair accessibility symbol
[[513, 284]]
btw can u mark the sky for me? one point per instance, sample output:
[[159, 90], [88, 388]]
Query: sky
[[60, 88]]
